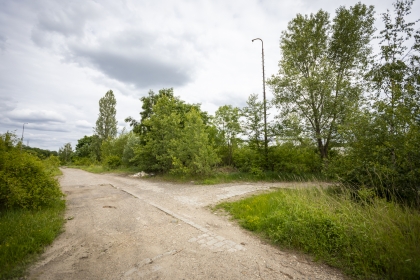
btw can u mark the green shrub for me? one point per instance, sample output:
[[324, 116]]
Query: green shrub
[[112, 162], [83, 161], [25, 181]]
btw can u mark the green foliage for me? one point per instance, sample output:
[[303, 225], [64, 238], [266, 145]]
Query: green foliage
[[65, 153], [114, 146], [24, 233], [192, 152], [24, 180], [252, 123], [321, 71], [248, 158], [296, 159], [112, 161], [226, 120], [176, 139], [384, 145], [369, 240], [51, 165], [106, 124], [40, 153], [128, 154], [87, 151]]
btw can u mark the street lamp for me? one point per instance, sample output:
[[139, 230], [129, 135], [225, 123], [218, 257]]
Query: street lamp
[[23, 130], [265, 109]]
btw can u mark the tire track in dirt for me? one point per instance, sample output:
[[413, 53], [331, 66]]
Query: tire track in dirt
[[126, 228]]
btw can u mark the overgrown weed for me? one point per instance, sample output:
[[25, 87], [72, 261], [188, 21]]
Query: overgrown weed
[[368, 237], [24, 233]]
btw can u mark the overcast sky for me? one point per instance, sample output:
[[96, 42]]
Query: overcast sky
[[58, 58]]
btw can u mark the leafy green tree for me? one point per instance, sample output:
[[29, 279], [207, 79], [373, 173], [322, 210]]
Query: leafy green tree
[[84, 146], [112, 150], [226, 120], [385, 141], [133, 141], [396, 74], [147, 109], [176, 140], [252, 124], [65, 153], [192, 152], [148, 102], [106, 124], [321, 70]]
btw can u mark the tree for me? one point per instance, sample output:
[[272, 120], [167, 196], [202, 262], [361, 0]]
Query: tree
[[106, 124], [396, 74], [65, 153], [321, 70], [148, 102], [226, 120], [253, 122], [384, 149], [176, 139], [192, 152]]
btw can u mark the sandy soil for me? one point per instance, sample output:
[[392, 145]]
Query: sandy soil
[[129, 228]]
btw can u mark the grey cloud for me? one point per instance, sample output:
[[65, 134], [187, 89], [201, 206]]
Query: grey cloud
[[35, 116], [45, 127], [141, 70], [67, 19], [3, 42]]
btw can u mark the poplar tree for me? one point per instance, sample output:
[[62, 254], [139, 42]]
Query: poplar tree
[[106, 124]]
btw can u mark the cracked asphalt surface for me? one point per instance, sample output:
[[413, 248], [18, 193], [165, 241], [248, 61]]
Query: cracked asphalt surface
[[129, 228]]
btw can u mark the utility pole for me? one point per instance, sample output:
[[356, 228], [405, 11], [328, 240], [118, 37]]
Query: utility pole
[[23, 130], [265, 108]]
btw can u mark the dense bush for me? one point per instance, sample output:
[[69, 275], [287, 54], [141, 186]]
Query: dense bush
[[112, 161], [24, 180]]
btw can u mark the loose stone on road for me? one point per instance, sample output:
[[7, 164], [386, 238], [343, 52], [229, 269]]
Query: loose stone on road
[[131, 228]]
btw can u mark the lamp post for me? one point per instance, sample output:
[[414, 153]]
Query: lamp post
[[265, 109], [23, 130]]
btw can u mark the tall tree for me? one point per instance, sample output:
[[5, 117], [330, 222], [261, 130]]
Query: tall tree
[[396, 74], [65, 153], [176, 140], [226, 120], [385, 151], [253, 121], [106, 124], [321, 70]]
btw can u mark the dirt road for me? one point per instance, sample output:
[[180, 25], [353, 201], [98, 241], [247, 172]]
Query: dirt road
[[128, 228]]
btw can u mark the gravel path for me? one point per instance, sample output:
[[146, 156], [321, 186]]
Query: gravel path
[[129, 228]]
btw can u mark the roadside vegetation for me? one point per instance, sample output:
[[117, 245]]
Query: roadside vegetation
[[31, 205], [343, 114], [367, 237]]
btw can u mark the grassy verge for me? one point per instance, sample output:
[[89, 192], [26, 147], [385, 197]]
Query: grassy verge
[[371, 238], [216, 178], [267, 176], [98, 169], [24, 233]]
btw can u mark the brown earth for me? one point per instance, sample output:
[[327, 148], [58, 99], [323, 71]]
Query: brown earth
[[129, 228]]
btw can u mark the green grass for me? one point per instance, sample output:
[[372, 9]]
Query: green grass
[[267, 176], [216, 178], [371, 238], [24, 233], [230, 177], [98, 169]]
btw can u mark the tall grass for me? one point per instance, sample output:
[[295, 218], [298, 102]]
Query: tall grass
[[367, 237], [229, 177], [24, 233]]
